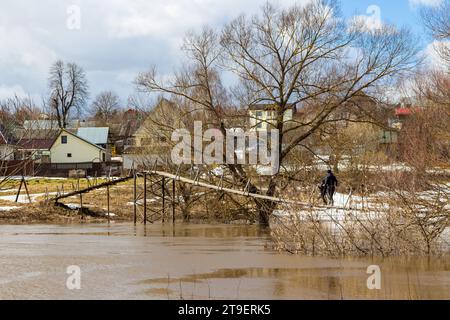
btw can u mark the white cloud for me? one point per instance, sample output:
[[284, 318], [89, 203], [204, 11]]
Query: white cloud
[[8, 92], [116, 39], [21, 49], [24, 60], [432, 57], [172, 18]]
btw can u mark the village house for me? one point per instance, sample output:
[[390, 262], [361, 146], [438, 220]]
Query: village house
[[130, 123], [152, 140], [57, 152], [402, 113], [158, 126], [396, 120], [262, 117], [66, 154], [71, 148]]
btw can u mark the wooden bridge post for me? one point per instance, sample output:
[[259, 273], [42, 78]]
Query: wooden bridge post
[[145, 198], [107, 201], [18, 191], [81, 204], [163, 186], [46, 195], [135, 198], [24, 183], [26, 189], [173, 201]]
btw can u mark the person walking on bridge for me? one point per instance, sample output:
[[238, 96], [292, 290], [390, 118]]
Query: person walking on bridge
[[328, 187]]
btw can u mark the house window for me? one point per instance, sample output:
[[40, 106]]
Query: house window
[[104, 157], [63, 139], [69, 155], [258, 119]]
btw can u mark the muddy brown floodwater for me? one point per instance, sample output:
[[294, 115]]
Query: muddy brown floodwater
[[123, 261]]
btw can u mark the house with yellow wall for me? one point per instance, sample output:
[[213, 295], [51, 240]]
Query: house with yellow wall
[[70, 148]]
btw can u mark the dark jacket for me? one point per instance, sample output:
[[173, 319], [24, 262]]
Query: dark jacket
[[330, 180]]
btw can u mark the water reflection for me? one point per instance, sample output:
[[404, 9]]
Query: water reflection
[[306, 283]]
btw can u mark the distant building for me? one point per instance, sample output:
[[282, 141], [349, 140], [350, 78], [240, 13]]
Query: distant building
[[6, 150], [396, 120], [34, 149], [52, 124], [262, 117], [157, 128], [402, 113], [151, 141], [40, 124], [98, 136], [131, 122]]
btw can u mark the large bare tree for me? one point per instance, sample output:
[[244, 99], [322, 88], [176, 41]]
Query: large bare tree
[[105, 106], [437, 22], [306, 55], [68, 90]]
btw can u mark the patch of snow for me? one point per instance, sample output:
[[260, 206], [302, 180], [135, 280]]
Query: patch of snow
[[29, 178], [23, 198], [329, 215], [73, 206], [8, 190], [7, 208]]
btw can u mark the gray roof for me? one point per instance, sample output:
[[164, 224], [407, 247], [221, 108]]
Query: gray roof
[[50, 124], [41, 125], [269, 106], [94, 135]]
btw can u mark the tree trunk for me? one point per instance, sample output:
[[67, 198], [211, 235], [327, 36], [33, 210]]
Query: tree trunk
[[265, 208]]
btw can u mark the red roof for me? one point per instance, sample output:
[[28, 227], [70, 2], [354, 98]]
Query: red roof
[[2, 140], [36, 144], [403, 112]]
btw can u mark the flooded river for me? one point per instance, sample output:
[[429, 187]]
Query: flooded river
[[123, 261]]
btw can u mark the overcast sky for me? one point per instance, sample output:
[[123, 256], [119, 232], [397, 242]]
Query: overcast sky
[[119, 38]]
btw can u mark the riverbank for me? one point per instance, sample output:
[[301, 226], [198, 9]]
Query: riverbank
[[41, 213], [32, 207]]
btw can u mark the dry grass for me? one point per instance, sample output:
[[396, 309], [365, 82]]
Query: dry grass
[[41, 185]]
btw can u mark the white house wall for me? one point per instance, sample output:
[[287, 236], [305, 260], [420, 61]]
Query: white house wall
[[81, 151], [267, 118]]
